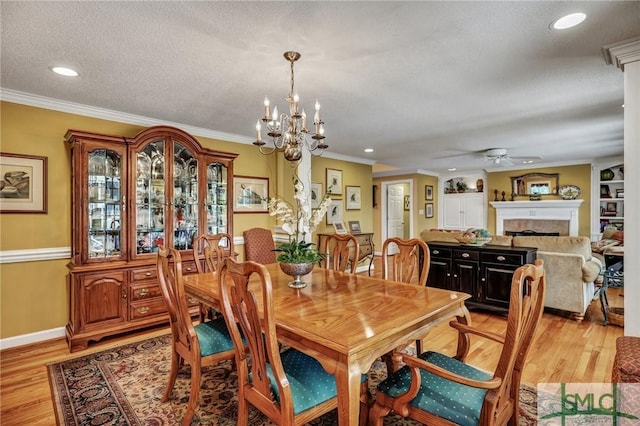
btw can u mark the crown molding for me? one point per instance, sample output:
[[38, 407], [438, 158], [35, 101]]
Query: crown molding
[[38, 101], [401, 172], [622, 52]]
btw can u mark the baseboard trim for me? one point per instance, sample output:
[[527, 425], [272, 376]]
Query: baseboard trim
[[27, 339]]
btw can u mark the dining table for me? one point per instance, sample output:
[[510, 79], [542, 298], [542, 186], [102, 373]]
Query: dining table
[[346, 321]]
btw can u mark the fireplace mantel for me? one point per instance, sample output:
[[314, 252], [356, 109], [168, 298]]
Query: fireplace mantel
[[542, 210]]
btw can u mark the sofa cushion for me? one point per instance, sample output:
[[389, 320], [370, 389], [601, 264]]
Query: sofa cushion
[[442, 236], [562, 244]]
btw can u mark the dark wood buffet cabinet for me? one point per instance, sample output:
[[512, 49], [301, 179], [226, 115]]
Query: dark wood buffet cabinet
[[484, 272], [129, 196]]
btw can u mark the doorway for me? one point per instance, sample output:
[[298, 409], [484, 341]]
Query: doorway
[[394, 221]]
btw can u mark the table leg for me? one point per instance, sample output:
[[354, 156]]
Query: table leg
[[348, 379]]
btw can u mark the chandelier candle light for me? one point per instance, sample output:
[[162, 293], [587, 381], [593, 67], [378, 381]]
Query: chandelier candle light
[[296, 136]]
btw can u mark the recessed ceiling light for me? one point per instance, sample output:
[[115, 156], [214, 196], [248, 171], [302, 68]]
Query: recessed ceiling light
[[568, 21], [453, 169], [67, 72], [368, 150]]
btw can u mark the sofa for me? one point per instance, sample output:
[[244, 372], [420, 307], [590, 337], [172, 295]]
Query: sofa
[[570, 268]]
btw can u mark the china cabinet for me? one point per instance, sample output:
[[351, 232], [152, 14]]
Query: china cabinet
[[130, 196]]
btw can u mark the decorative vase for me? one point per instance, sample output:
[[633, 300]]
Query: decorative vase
[[297, 270], [606, 174]]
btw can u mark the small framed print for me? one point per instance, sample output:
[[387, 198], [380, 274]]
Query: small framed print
[[334, 181], [316, 195], [407, 202], [339, 228], [619, 193], [334, 212], [23, 188], [428, 210], [612, 207], [428, 192], [250, 194], [354, 226], [352, 196]]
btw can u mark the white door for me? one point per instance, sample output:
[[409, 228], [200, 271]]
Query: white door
[[395, 212], [474, 211], [452, 212]]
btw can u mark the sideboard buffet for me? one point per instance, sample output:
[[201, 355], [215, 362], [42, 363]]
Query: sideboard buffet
[[484, 272], [129, 196]]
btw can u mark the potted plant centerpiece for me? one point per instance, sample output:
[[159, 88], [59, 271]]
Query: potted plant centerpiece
[[298, 256]]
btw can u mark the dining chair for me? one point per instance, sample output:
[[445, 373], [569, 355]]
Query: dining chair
[[289, 387], [259, 246], [437, 389], [208, 253], [207, 343], [343, 252], [402, 264]]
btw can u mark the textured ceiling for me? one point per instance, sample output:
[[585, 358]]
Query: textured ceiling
[[426, 84]]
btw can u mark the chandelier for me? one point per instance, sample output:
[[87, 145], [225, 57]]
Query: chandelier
[[288, 132]]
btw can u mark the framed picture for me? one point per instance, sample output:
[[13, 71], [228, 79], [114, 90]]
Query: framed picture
[[604, 191], [428, 192], [619, 193], [354, 226], [334, 212], [352, 195], [334, 181], [316, 195], [23, 184], [250, 194], [612, 207], [428, 210], [339, 228], [407, 202]]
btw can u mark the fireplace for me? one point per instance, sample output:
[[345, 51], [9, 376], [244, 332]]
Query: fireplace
[[556, 217]]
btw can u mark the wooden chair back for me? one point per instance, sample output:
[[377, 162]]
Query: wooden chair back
[[400, 266], [185, 346], [259, 245], [343, 252], [217, 251], [500, 404]]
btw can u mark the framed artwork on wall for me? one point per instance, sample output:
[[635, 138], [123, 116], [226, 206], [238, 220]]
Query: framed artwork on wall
[[334, 181], [407, 202], [428, 192], [339, 228], [428, 210], [249, 193], [354, 226], [334, 212], [353, 197], [316, 195], [23, 188]]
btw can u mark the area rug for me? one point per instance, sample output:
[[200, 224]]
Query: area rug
[[123, 386]]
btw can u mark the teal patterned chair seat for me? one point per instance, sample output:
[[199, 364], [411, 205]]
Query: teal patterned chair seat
[[214, 337], [310, 384], [450, 400]]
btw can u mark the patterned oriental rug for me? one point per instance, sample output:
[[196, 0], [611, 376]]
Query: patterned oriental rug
[[123, 386]]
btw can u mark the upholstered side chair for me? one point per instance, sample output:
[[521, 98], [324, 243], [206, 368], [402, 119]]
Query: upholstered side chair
[[289, 387], [342, 252], [207, 343], [259, 246], [433, 388]]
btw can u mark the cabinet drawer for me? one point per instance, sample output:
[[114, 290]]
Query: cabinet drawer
[[145, 291], [440, 252], [189, 267], [142, 274], [466, 254], [503, 258], [364, 239], [146, 308], [365, 250]]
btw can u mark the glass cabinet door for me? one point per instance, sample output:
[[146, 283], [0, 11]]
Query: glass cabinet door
[[185, 197], [104, 193], [150, 214], [216, 202]]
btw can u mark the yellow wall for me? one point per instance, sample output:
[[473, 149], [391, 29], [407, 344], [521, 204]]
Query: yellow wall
[[579, 175], [34, 296], [420, 222]]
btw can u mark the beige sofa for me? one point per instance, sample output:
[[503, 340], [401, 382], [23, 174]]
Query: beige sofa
[[570, 269]]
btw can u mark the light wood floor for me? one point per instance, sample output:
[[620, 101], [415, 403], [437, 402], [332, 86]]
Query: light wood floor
[[563, 351]]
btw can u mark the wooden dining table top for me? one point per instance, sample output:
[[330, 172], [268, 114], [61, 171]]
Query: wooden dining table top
[[346, 321]]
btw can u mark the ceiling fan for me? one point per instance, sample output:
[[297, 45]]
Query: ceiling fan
[[501, 156]]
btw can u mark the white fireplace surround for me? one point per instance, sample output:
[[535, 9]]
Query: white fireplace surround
[[537, 210]]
